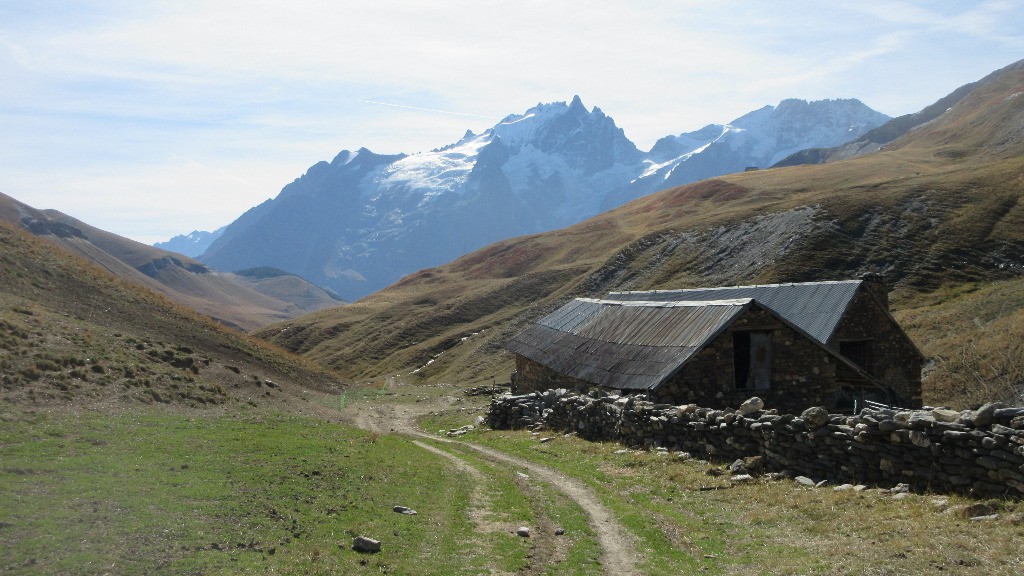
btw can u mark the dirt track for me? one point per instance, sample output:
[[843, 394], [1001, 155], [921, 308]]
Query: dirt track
[[619, 556]]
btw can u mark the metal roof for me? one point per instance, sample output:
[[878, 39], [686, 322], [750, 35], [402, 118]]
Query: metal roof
[[627, 345], [814, 307]]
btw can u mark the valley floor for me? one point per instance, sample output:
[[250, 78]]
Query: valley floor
[[262, 490]]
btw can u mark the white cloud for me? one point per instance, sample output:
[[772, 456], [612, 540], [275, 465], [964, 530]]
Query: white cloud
[[105, 98]]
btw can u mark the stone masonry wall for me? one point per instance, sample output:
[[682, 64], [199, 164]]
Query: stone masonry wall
[[980, 452], [893, 359], [533, 376], [802, 373]]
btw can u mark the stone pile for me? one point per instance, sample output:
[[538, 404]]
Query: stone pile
[[980, 452]]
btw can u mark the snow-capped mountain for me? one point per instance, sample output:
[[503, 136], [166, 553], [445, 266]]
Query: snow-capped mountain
[[192, 244], [758, 139], [364, 220]]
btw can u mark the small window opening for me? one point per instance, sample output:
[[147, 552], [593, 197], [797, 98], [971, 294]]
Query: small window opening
[[857, 351]]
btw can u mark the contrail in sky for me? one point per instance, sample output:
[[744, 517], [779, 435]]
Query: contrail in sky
[[426, 109]]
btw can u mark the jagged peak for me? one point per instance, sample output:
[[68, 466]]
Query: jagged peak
[[521, 128], [788, 106], [364, 156], [344, 157], [467, 137]]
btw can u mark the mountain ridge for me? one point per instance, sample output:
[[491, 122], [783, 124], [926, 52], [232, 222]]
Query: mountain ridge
[[192, 244], [363, 220], [185, 280], [876, 138]]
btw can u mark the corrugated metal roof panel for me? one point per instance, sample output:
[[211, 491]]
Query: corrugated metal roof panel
[[814, 307], [624, 345]]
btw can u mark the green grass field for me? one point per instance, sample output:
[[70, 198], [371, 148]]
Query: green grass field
[[152, 492]]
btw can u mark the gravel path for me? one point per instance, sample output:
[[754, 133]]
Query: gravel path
[[619, 556]]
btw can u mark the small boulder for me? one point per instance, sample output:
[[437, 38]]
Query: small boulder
[[364, 544], [523, 531], [804, 481], [752, 405], [948, 416], [984, 416], [974, 510], [753, 464], [901, 488], [815, 417], [404, 510], [985, 518]]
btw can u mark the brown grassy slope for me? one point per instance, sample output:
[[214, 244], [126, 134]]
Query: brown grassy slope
[[70, 332], [976, 334], [932, 220], [184, 280], [288, 287], [986, 122]]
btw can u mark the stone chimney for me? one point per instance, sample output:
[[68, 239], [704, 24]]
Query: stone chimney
[[875, 283]]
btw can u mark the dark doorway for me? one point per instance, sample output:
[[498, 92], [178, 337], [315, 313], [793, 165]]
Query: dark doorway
[[752, 360]]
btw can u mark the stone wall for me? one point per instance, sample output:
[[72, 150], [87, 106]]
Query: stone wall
[[980, 452], [893, 360], [533, 376], [802, 373]]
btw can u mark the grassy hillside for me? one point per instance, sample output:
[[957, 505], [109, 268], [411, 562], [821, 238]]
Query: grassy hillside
[[70, 332], [231, 300], [939, 213]]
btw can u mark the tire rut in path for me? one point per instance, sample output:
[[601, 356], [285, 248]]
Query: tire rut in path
[[545, 548], [618, 555], [618, 549]]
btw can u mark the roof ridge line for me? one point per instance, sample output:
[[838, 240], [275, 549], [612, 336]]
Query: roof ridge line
[[670, 303], [778, 285]]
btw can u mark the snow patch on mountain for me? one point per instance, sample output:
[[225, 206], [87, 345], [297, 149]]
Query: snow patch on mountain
[[436, 172]]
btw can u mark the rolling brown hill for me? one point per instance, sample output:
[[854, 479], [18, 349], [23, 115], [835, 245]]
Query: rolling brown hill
[[937, 211], [228, 298], [71, 332]]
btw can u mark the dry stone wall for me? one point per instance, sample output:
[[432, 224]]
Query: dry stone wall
[[980, 452]]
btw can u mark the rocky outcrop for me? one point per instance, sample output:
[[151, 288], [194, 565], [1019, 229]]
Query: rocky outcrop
[[980, 452]]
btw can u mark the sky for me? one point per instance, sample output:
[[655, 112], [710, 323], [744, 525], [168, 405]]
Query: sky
[[155, 118]]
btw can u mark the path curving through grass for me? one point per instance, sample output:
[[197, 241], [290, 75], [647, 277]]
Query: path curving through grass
[[618, 546]]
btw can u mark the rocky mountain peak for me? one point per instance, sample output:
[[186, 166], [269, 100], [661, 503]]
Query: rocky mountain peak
[[363, 220]]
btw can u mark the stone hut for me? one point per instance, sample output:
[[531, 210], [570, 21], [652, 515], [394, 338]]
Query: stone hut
[[831, 344]]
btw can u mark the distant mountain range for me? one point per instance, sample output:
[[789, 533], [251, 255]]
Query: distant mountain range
[[192, 244], [362, 221]]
